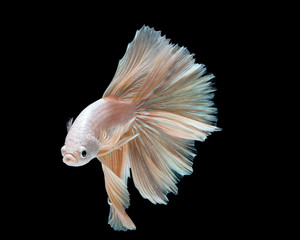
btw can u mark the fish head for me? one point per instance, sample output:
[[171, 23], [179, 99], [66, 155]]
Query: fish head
[[79, 151]]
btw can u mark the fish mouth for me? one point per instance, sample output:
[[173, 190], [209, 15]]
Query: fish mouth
[[70, 159]]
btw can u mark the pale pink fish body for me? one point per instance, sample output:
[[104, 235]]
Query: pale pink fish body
[[88, 128], [158, 103]]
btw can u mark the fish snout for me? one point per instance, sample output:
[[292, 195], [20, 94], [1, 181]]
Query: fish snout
[[69, 159]]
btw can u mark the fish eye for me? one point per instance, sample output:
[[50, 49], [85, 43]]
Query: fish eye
[[63, 150], [83, 152]]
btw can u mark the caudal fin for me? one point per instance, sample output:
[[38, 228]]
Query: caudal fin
[[173, 96]]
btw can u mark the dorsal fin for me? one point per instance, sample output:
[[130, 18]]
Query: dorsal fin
[[137, 62]]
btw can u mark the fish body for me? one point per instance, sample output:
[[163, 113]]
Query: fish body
[[157, 105], [101, 117]]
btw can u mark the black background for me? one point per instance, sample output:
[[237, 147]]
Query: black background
[[66, 59]]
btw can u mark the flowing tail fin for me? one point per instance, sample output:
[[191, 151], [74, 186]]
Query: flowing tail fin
[[173, 96]]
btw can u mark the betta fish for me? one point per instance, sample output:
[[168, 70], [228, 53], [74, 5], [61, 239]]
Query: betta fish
[[157, 105]]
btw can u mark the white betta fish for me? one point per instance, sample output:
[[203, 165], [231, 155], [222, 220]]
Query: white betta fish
[[158, 103]]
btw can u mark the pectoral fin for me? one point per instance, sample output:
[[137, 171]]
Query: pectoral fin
[[110, 148]]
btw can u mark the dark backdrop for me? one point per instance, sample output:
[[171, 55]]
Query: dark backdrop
[[68, 60]]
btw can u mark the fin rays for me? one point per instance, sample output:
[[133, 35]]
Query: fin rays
[[173, 96], [116, 172]]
